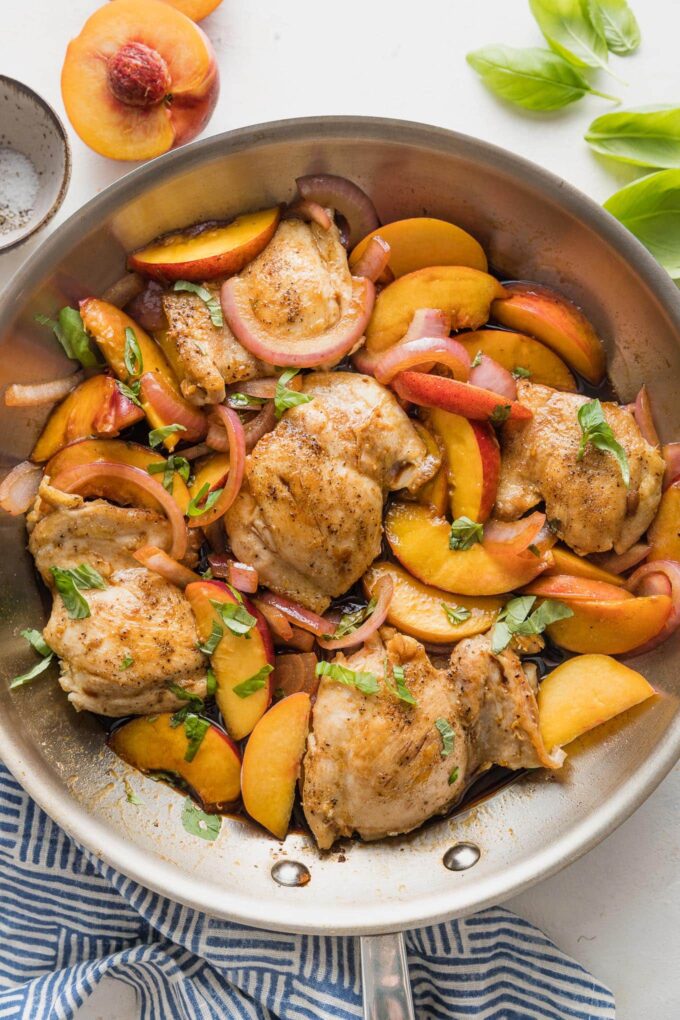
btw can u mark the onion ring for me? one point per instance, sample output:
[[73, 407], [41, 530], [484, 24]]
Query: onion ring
[[384, 590], [491, 376], [160, 562], [423, 352], [19, 488], [237, 464], [347, 198], [297, 614], [670, 569], [35, 394]]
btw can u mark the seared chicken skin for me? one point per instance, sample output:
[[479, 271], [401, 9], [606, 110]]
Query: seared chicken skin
[[139, 616], [309, 514], [378, 766], [586, 501]]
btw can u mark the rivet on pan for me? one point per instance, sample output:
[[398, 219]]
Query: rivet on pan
[[461, 856], [291, 873]]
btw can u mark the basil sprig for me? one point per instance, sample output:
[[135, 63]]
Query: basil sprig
[[70, 331], [39, 645], [596, 431], [465, 533], [648, 136], [367, 683], [456, 614], [253, 683], [285, 397], [71, 582], [650, 209], [617, 23], [210, 301], [516, 618]]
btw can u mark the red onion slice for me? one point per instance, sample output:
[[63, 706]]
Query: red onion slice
[[35, 394], [619, 563], [296, 613], [243, 577], [345, 197], [365, 362], [265, 389], [259, 426], [424, 352], [491, 376], [78, 480], [156, 559], [147, 308], [124, 290], [514, 536], [19, 488], [428, 322], [311, 212], [237, 465], [383, 592], [671, 570], [171, 408], [374, 260], [279, 623], [671, 454], [642, 409]]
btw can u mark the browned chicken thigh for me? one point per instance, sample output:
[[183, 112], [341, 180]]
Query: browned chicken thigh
[[309, 514], [586, 500]]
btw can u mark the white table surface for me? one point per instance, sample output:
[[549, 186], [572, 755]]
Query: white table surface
[[617, 910]]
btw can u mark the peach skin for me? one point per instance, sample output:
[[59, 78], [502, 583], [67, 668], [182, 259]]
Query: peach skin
[[473, 462]]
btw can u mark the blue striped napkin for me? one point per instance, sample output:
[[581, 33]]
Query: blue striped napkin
[[67, 920]]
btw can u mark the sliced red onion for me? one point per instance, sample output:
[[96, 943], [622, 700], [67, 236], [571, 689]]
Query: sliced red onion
[[347, 198], [654, 584], [671, 570], [216, 438], [19, 488], [671, 454], [260, 425], [312, 212], [642, 409], [296, 613], [619, 563], [216, 537], [237, 463], [294, 673], [374, 260], [35, 394], [158, 560], [365, 362], [424, 352], [123, 291], [193, 452], [171, 408], [243, 577], [301, 639], [147, 308], [383, 592], [264, 389], [78, 480], [278, 622], [491, 376], [428, 322], [514, 536]]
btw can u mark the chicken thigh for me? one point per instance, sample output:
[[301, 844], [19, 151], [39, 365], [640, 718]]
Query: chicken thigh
[[378, 766], [309, 514], [586, 501], [140, 634]]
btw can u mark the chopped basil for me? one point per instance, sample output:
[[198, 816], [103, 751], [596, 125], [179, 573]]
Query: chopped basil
[[534, 549], [131, 391], [71, 582], [447, 735], [207, 297], [198, 823], [207, 574], [253, 683], [36, 641], [127, 662], [235, 617], [130, 795], [367, 683], [195, 702], [132, 355], [158, 436], [72, 335], [210, 683], [203, 501], [454, 776], [519, 372], [26, 678], [456, 614], [169, 467], [400, 690], [465, 533], [499, 414], [244, 402], [514, 618], [209, 646], [477, 360], [596, 431], [284, 397], [195, 728], [351, 621]]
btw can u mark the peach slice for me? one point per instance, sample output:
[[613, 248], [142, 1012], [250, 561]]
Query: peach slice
[[583, 693], [424, 241], [556, 322], [461, 292], [418, 609], [568, 588], [458, 398], [140, 79], [271, 763], [237, 658], [151, 744], [195, 9], [108, 325], [211, 471], [207, 250], [517, 351], [474, 463], [89, 451], [420, 541], [567, 562], [95, 408], [611, 627], [664, 534]]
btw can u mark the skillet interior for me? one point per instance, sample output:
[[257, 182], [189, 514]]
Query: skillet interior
[[533, 226]]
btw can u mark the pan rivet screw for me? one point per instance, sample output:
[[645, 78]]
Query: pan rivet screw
[[291, 873], [461, 856]]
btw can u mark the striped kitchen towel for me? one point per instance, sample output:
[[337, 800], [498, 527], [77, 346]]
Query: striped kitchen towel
[[67, 920]]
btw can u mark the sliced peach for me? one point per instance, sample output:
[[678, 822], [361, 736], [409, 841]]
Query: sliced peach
[[211, 471], [664, 534], [140, 79], [151, 744], [583, 693], [611, 627], [418, 609], [567, 562], [515, 351], [207, 250], [108, 325], [95, 408], [237, 658], [89, 451], [271, 762], [568, 588], [463, 293], [556, 322], [425, 241], [473, 460], [458, 398], [420, 541]]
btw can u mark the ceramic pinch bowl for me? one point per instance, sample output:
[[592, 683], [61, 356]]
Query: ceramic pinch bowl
[[35, 163]]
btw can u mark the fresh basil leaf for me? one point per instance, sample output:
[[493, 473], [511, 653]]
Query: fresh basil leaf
[[477, 360], [399, 689], [210, 301], [130, 795], [350, 622], [216, 634], [207, 574], [169, 467], [548, 612], [596, 431], [132, 355], [253, 683], [72, 335], [367, 683], [184, 695], [198, 823], [465, 533], [131, 391], [456, 614], [519, 372], [571, 32], [514, 619], [447, 735], [36, 641], [500, 414], [244, 402], [203, 501], [453, 777], [650, 209], [235, 617], [195, 729], [31, 674], [210, 683], [71, 582], [617, 23], [534, 78], [647, 136], [158, 436], [284, 397], [127, 662]]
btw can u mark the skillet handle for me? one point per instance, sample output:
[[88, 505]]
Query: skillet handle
[[385, 979]]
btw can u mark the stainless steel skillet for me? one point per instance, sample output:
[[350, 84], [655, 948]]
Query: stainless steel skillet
[[533, 226]]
